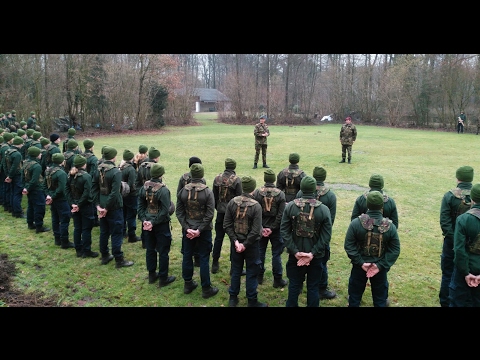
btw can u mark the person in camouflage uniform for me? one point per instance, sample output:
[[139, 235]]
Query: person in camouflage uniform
[[261, 132], [348, 135], [454, 203]]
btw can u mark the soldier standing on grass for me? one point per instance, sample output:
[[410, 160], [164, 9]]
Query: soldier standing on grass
[[348, 135], [261, 132], [306, 228], [373, 246]]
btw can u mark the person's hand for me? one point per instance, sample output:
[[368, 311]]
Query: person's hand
[[147, 225], [239, 247], [372, 270], [266, 232], [48, 200], [472, 280], [192, 234], [8, 180], [24, 191], [365, 266], [75, 208]]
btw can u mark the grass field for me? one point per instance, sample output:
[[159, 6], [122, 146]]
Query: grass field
[[418, 168]]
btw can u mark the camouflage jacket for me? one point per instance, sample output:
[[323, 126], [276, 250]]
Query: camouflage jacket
[[348, 134], [258, 131]]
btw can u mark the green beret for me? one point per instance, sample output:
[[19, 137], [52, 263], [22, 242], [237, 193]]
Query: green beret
[[1, 139], [109, 153], [153, 153], [294, 158], [376, 182], [14, 133], [72, 131], [197, 171], [157, 170], [72, 144], [87, 143], [30, 132], [33, 151], [248, 184], [2, 115], [17, 140], [44, 141], [79, 161], [319, 173], [230, 164], [7, 136], [269, 176], [57, 158], [103, 149], [475, 193], [14, 112], [374, 200], [21, 132], [36, 135], [128, 155], [32, 113], [142, 149], [465, 173], [308, 185], [8, 113], [23, 123]]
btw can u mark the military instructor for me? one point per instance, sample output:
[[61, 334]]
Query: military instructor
[[261, 133]]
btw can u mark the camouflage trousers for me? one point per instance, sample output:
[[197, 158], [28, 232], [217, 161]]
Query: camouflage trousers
[[346, 149], [259, 147]]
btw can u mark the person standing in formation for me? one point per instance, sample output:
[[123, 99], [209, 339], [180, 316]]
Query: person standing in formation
[[130, 202]]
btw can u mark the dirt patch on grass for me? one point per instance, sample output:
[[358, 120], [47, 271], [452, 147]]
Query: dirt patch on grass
[[12, 298], [347, 187]]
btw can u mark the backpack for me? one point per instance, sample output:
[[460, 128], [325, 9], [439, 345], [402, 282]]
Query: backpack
[[144, 170], [291, 184], [27, 164], [465, 203], [49, 153], [49, 174], [373, 244], [68, 155], [225, 184], [125, 189], [242, 223], [104, 186], [269, 205], [195, 210], [473, 245], [76, 193], [150, 189], [321, 190], [305, 221], [8, 160]]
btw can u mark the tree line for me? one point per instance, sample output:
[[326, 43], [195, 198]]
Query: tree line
[[142, 91]]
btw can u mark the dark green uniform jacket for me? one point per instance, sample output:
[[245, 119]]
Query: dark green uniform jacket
[[32, 178], [57, 189], [206, 203], [448, 209], [326, 196], [389, 207], [356, 235], [113, 200], [467, 229], [79, 189], [254, 215], [272, 218]]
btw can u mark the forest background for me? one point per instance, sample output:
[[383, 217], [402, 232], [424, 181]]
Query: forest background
[[147, 91]]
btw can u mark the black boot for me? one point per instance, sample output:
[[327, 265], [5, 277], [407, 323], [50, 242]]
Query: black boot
[[265, 165], [326, 294], [209, 291], [165, 281], [79, 253], [90, 253], [254, 165], [233, 301], [279, 282], [57, 241], [65, 244], [42, 229], [255, 303], [189, 286], [152, 277], [106, 259], [349, 161], [121, 262], [343, 160], [31, 227], [133, 238], [215, 266]]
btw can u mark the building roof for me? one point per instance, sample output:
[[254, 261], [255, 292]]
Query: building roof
[[210, 95]]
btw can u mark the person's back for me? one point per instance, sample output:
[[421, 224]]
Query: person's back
[[226, 186], [376, 183], [455, 202], [288, 179]]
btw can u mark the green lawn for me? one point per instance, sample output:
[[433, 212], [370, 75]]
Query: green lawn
[[418, 168]]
